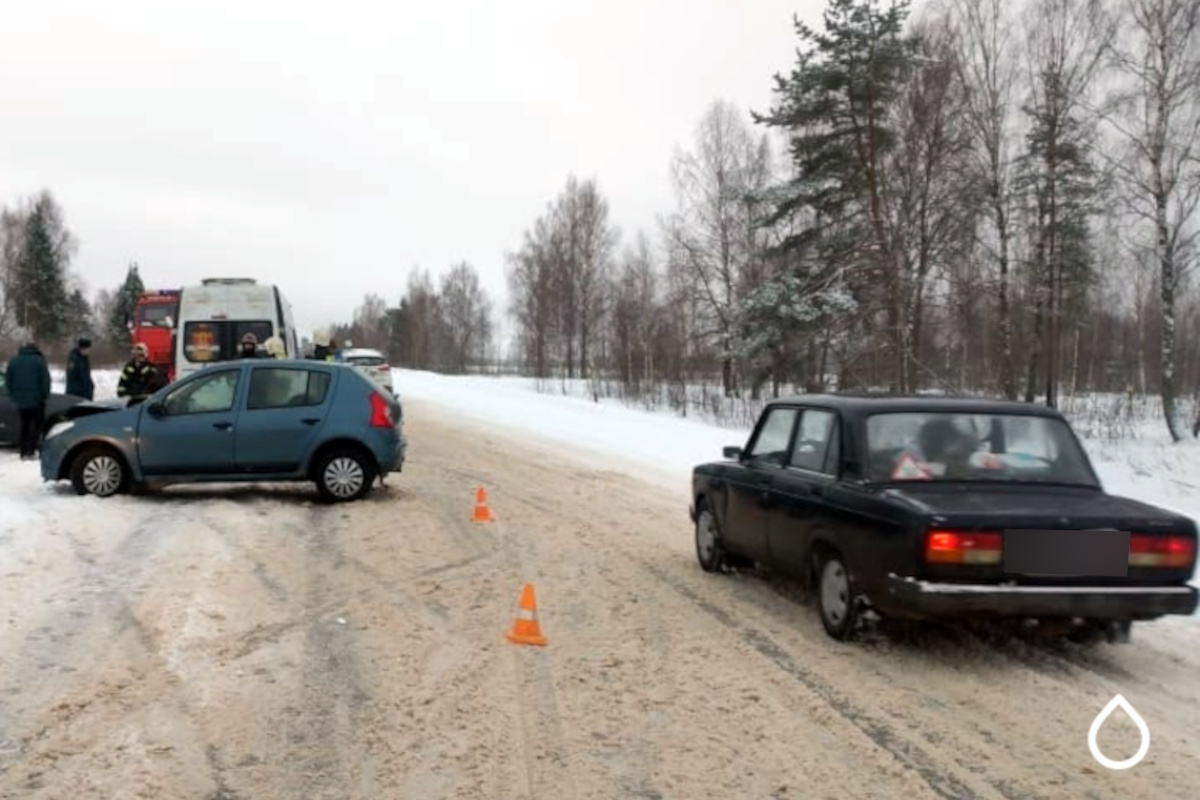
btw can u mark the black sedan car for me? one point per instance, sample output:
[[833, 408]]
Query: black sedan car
[[57, 407], [920, 507]]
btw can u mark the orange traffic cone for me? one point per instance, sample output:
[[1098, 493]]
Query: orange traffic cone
[[482, 512], [526, 629]]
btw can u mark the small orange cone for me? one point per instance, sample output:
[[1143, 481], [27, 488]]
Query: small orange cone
[[482, 512], [526, 629]]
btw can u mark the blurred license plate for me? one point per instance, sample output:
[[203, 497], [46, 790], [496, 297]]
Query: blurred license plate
[[1075, 554]]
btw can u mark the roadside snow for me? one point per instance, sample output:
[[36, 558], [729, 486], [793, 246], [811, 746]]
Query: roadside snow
[[105, 380], [660, 441], [1146, 466]]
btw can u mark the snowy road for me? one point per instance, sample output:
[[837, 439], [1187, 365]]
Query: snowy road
[[238, 644]]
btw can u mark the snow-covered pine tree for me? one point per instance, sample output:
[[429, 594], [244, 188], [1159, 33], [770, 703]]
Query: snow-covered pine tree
[[41, 280], [834, 108], [123, 307]]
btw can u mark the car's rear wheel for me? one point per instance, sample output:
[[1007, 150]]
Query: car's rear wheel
[[836, 599], [709, 549], [344, 474], [100, 471]]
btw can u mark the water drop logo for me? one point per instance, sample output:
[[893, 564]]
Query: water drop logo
[[1119, 702]]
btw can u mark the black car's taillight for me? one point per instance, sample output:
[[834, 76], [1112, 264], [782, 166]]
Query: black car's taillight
[[1161, 551], [963, 547]]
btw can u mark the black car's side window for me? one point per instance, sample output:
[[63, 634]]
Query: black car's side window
[[816, 442], [286, 387], [206, 395], [771, 444]]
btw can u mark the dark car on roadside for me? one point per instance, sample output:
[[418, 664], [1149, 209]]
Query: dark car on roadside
[[238, 421], [933, 507], [10, 419]]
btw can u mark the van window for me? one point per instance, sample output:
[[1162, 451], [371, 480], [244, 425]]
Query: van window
[[219, 340]]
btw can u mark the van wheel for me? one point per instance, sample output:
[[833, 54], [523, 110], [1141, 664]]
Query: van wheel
[[344, 474], [100, 471], [837, 601]]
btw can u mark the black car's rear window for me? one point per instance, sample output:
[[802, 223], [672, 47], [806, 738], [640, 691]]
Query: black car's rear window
[[946, 445], [365, 361]]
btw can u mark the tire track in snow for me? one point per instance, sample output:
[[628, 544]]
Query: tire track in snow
[[334, 698], [547, 762], [934, 774]]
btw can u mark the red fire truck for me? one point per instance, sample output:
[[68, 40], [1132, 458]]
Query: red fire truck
[[153, 324]]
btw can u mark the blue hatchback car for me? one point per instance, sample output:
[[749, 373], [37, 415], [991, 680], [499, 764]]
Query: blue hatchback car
[[238, 421]]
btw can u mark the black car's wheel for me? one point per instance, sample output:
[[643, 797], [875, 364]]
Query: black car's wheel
[[99, 470], [344, 474], [836, 598], [709, 550]]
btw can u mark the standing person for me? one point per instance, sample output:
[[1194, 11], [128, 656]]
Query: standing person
[[275, 347], [321, 346], [335, 352], [140, 378], [79, 371], [249, 347], [28, 379]]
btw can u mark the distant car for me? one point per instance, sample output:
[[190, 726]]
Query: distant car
[[242, 421], [371, 363], [932, 507], [10, 420]]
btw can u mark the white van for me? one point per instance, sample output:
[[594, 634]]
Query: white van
[[214, 316]]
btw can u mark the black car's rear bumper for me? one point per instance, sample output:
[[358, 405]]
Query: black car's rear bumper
[[928, 598]]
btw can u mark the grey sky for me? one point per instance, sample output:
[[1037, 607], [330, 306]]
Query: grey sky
[[329, 147]]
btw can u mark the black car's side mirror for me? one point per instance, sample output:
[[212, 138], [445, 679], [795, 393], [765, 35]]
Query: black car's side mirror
[[156, 410], [734, 453]]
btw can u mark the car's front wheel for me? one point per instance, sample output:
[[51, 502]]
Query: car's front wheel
[[100, 471], [836, 599], [345, 474]]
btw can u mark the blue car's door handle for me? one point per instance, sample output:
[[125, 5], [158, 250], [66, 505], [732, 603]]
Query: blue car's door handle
[[222, 426], [311, 420]]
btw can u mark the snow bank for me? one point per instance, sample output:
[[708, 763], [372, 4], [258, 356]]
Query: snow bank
[[661, 441]]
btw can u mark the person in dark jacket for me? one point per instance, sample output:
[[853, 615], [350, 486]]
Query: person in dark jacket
[[79, 371], [28, 379], [140, 378], [250, 347]]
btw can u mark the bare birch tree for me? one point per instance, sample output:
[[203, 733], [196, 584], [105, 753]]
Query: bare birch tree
[[467, 313], [715, 186], [370, 322], [987, 68], [1159, 121], [12, 244]]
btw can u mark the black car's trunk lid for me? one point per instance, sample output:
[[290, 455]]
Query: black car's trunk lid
[[996, 508]]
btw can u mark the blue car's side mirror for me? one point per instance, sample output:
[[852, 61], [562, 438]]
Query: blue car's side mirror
[[156, 410]]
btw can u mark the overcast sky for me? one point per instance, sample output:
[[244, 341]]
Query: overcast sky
[[330, 146]]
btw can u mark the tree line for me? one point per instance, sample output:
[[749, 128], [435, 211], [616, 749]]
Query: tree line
[[988, 197], [43, 299], [445, 325]]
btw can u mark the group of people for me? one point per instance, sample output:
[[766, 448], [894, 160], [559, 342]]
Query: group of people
[[27, 377]]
